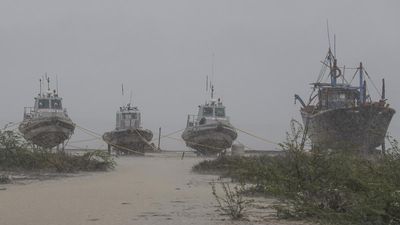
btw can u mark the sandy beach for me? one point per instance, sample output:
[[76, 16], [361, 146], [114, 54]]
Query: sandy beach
[[141, 190]]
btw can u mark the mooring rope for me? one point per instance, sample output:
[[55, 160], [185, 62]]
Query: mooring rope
[[257, 137], [84, 140], [208, 146], [168, 135], [98, 136]]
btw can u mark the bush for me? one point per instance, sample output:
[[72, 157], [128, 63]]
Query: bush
[[333, 187], [16, 154], [4, 179], [232, 202]]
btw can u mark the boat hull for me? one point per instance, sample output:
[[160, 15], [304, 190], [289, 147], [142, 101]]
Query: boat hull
[[47, 132], [209, 139], [362, 128], [129, 141]]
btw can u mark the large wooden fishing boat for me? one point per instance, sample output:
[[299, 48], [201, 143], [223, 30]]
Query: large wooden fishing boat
[[339, 115]]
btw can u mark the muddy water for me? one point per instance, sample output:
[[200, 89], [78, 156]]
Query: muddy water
[[142, 190]]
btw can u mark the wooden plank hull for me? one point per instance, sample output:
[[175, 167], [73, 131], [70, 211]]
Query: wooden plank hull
[[362, 128]]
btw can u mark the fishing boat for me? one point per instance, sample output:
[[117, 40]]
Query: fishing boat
[[47, 123], [129, 137], [340, 115], [209, 132]]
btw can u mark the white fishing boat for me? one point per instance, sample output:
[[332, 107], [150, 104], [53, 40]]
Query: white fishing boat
[[129, 137], [210, 131], [47, 123]]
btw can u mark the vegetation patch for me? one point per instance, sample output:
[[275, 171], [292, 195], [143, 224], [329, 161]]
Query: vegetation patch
[[4, 179], [16, 154], [232, 202], [330, 187]]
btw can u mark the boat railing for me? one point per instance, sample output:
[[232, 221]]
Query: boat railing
[[28, 112], [192, 121]]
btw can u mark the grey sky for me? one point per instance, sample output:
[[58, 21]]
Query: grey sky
[[265, 51]]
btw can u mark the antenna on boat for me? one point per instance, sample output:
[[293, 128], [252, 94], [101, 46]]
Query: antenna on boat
[[57, 84], [40, 86], [48, 82], [212, 91], [383, 95], [206, 83], [130, 98], [122, 89], [212, 66], [334, 45], [327, 29]]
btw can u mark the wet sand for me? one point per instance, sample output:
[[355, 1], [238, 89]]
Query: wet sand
[[142, 190]]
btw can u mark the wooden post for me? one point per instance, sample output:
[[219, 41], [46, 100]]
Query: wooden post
[[109, 149], [183, 155], [159, 139]]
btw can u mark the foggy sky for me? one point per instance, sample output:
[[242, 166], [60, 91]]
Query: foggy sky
[[265, 52]]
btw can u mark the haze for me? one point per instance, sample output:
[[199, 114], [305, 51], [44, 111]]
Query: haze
[[265, 52]]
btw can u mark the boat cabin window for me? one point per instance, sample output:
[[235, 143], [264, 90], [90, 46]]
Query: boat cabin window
[[337, 98], [56, 104], [220, 112], [130, 116], [43, 104], [207, 111]]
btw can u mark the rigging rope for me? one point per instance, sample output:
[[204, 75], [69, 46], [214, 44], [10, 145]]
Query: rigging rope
[[372, 82]]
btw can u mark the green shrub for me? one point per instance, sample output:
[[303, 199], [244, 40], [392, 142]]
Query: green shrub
[[232, 202], [332, 187], [4, 179], [16, 154]]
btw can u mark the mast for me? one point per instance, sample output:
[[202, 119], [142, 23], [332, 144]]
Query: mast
[[212, 91], [383, 97], [334, 69], [362, 87], [334, 72]]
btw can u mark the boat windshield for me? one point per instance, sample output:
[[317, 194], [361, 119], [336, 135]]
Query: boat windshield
[[207, 111], [330, 98], [220, 112], [56, 104], [44, 104], [130, 116]]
